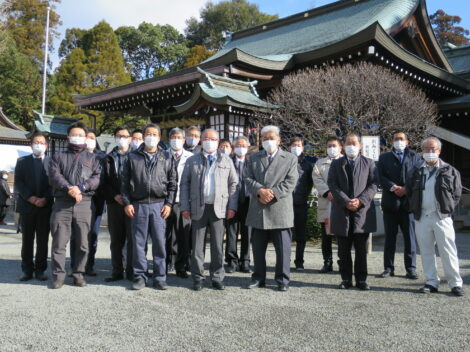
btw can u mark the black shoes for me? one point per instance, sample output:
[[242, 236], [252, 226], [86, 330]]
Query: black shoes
[[411, 275], [182, 274], [230, 269], [57, 284], [282, 287], [160, 285], [40, 276], [255, 284], [90, 272], [386, 273], [26, 277], [197, 285], [326, 268], [80, 282], [457, 291], [345, 284], [428, 289], [363, 285], [299, 268], [218, 285], [245, 269], [114, 277], [138, 284]]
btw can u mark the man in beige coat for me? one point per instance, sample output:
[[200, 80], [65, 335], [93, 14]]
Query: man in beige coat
[[320, 178]]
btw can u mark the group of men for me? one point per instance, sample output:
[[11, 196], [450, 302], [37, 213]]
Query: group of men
[[202, 186]]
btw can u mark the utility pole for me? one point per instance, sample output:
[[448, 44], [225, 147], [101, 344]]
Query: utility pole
[[46, 50]]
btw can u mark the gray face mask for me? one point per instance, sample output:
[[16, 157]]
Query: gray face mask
[[192, 141]]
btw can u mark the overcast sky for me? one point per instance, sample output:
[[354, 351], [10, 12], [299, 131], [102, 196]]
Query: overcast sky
[[86, 13]]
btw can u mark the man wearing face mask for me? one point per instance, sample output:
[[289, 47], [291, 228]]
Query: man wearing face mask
[[119, 224], [35, 205], [137, 139], [178, 238], [434, 190], [352, 181], [225, 147], [193, 136], [301, 193], [148, 189], [208, 196], [325, 197], [74, 176], [271, 176], [394, 168], [238, 222], [98, 201]]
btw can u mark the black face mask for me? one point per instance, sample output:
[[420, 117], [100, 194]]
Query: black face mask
[[76, 148]]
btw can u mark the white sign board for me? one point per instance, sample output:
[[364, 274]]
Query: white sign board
[[11, 153], [371, 147]]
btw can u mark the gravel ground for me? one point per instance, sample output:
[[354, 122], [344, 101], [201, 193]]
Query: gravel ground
[[312, 316]]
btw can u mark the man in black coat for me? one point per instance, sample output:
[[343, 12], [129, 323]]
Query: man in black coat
[[5, 196], [352, 180], [34, 205], [394, 168], [300, 196]]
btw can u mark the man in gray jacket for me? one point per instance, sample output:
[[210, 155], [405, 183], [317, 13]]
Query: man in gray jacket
[[352, 180], [208, 195], [434, 191], [270, 177]]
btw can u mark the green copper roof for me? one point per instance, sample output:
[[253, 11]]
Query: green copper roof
[[459, 58], [318, 28], [226, 91], [53, 124]]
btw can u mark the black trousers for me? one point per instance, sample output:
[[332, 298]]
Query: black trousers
[[345, 243], [3, 212], [282, 239], [178, 240], [35, 225], [119, 225], [326, 245], [392, 220], [300, 232], [233, 227]]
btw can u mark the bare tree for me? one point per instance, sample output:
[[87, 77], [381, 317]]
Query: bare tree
[[361, 98]]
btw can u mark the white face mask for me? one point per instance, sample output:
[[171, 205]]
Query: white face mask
[[332, 152], [241, 151], [430, 157], [192, 141], [136, 144], [38, 149], [226, 151], [77, 140], [270, 146], [296, 150], [352, 151], [5, 177], [122, 142], [151, 141], [90, 144], [176, 144], [399, 145], [210, 146]]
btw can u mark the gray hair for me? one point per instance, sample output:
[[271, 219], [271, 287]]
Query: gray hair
[[271, 128], [210, 130], [190, 128], [428, 139], [241, 138], [176, 130]]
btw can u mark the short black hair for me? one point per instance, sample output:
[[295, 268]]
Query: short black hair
[[353, 134], [397, 132], [225, 141], [92, 130], [296, 139], [121, 128], [77, 124], [152, 125], [39, 134], [137, 130], [334, 139]]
